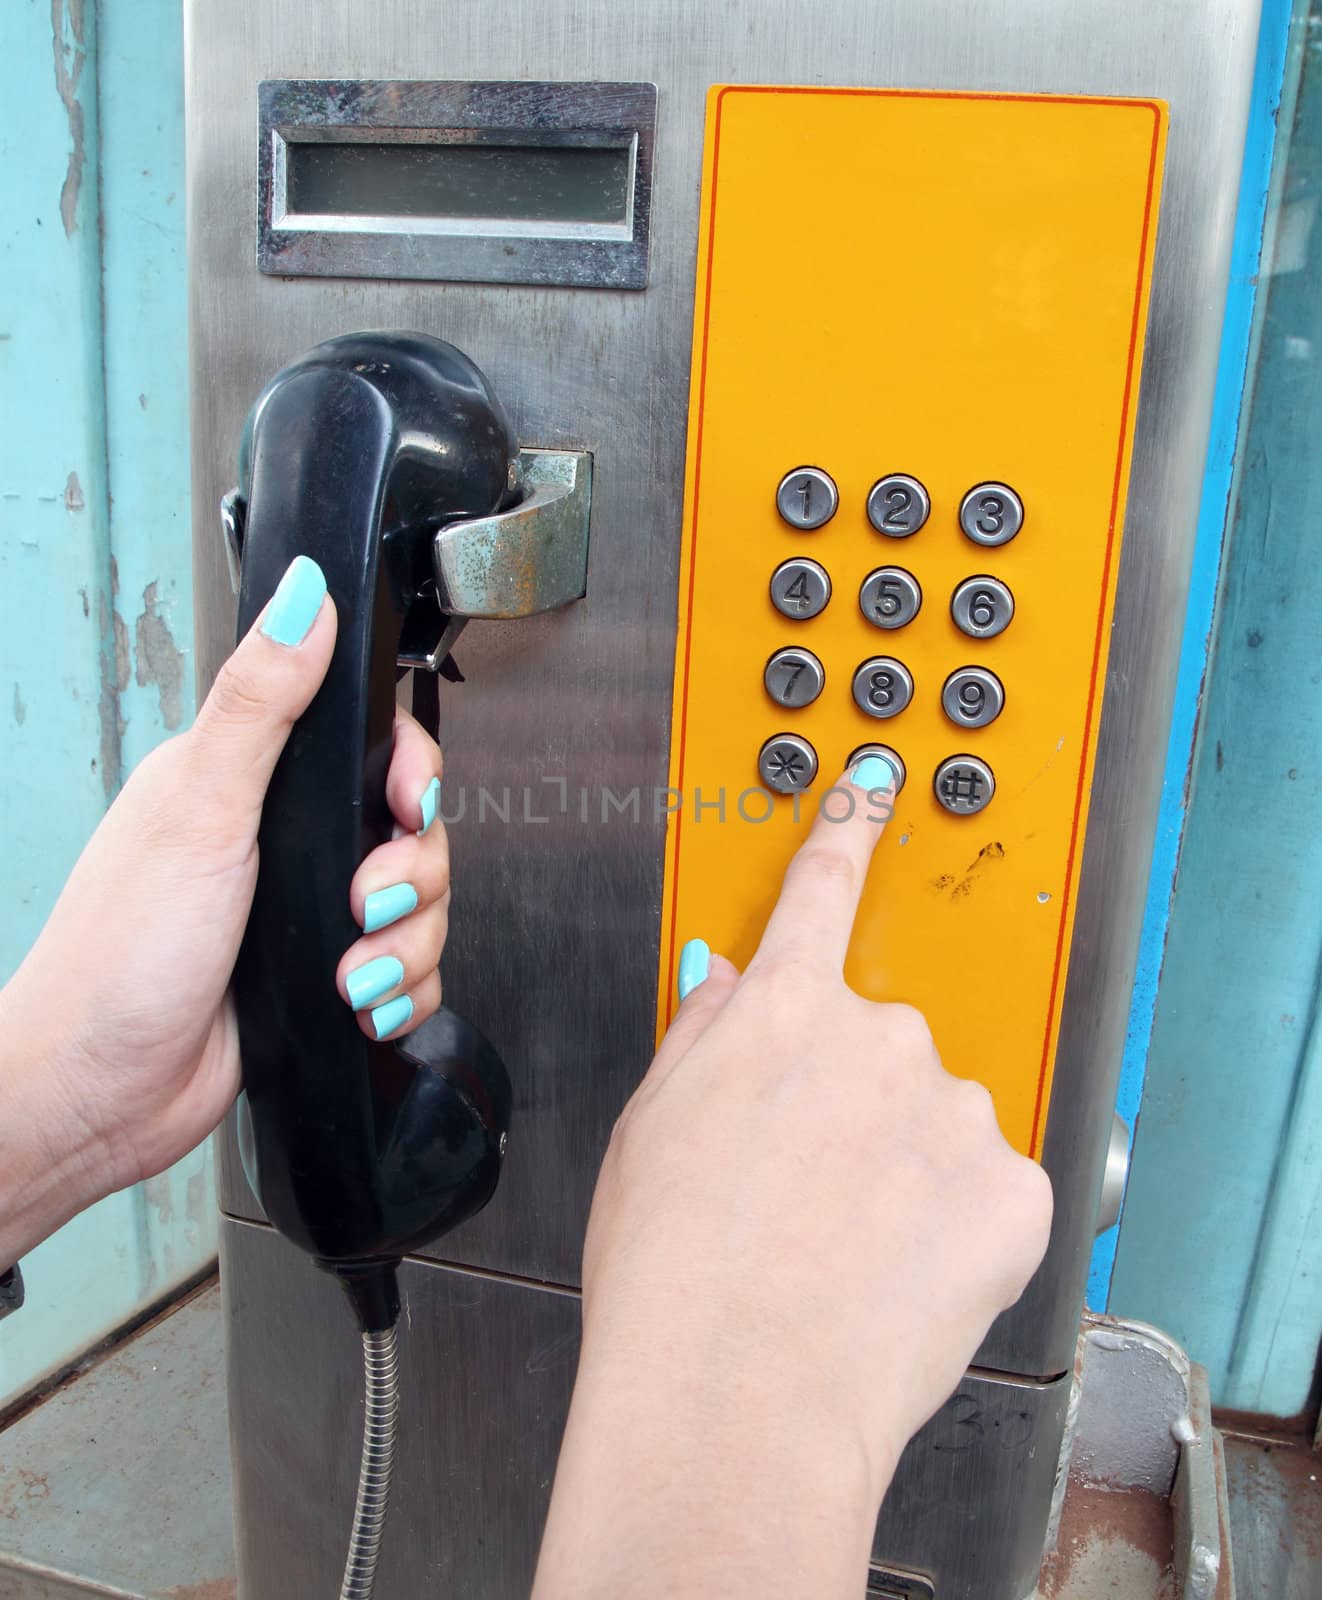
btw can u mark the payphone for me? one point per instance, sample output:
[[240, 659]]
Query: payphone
[[845, 313]]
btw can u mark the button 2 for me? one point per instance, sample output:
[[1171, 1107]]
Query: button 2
[[890, 597], [972, 697], [882, 686], [991, 513], [793, 677], [806, 498], [982, 607], [787, 763], [898, 505], [963, 785], [800, 588]]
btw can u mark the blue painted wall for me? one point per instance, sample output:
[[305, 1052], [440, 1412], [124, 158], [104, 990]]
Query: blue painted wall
[[1275, 76], [1221, 1242], [94, 544]]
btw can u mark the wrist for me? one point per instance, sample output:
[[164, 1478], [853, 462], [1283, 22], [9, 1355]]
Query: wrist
[[51, 1164], [773, 1480]]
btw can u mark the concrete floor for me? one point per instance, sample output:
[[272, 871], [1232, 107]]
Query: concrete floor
[[117, 1486]]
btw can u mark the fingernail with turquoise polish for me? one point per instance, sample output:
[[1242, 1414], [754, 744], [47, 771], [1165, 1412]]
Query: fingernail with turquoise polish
[[296, 602], [431, 797], [384, 906], [872, 772], [394, 1014], [694, 965], [373, 979]]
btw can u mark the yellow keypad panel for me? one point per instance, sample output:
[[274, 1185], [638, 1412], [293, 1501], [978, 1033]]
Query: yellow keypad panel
[[918, 338]]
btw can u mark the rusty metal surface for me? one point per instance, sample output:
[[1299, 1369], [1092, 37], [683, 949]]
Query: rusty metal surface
[[117, 1485], [1275, 1517]]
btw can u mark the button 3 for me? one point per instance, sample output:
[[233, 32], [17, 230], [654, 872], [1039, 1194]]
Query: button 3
[[991, 513]]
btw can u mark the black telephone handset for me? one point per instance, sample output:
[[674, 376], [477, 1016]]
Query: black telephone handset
[[358, 1152]]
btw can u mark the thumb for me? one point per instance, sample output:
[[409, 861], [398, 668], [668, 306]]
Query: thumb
[[264, 687]]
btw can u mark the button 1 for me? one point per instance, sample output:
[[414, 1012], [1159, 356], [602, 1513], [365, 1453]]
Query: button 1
[[794, 677], [972, 697], [800, 588], [806, 498], [898, 505], [787, 763], [882, 686], [991, 513], [963, 785], [885, 751], [890, 597], [982, 607]]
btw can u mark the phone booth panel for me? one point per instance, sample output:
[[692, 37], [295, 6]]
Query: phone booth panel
[[942, 243]]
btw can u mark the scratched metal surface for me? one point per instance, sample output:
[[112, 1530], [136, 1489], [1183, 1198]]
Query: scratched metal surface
[[95, 579], [585, 696]]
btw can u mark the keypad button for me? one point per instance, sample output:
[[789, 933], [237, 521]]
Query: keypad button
[[786, 763], [890, 597], [991, 513], [982, 607], [963, 785], [800, 588], [882, 686], [972, 697], [898, 505], [807, 498], [887, 753], [794, 677]]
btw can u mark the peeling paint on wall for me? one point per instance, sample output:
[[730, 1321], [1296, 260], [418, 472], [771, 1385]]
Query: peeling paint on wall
[[73, 494], [20, 710], [70, 53], [114, 680], [160, 661]]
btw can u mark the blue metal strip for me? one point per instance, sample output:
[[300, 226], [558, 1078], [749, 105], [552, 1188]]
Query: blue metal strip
[[1232, 372]]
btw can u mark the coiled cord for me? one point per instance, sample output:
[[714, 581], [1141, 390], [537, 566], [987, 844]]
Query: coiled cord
[[380, 1419]]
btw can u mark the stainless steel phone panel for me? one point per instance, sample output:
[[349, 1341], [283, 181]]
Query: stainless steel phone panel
[[486, 1370], [553, 949]]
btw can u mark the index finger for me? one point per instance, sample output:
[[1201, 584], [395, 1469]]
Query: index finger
[[814, 917]]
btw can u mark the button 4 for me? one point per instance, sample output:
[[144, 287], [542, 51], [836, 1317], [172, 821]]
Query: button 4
[[800, 588]]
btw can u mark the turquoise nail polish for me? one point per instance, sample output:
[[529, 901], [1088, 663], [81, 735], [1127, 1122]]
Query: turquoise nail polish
[[296, 602], [384, 906], [431, 797], [872, 772], [394, 1014], [694, 965], [373, 979]]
